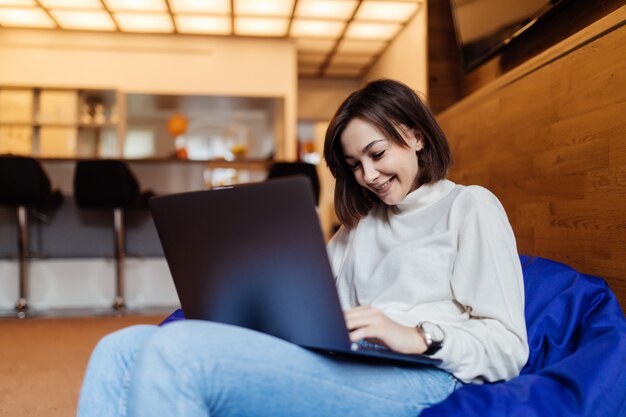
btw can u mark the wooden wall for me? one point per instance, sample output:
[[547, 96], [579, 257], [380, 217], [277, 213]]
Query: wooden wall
[[447, 83], [549, 139], [444, 57]]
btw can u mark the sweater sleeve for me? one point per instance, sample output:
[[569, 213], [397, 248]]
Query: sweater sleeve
[[487, 281]]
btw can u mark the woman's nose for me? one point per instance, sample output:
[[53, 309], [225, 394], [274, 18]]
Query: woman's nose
[[369, 173]]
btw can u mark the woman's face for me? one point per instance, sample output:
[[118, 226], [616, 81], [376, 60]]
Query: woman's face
[[380, 165]]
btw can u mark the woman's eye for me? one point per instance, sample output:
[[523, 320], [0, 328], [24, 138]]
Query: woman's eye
[[378, 155], [354, 166]]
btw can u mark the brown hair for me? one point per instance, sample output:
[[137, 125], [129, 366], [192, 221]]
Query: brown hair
[[385, 104]]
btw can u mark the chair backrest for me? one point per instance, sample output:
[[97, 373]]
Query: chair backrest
[[104, 183], [23, 181], [284, 169]]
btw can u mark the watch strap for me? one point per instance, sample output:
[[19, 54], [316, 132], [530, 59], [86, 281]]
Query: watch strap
[[432, 346]]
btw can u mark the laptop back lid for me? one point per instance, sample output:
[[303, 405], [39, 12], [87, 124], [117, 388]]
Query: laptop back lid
[[253, 255]]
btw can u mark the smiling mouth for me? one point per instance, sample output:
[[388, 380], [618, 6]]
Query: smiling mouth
[[384, 187]]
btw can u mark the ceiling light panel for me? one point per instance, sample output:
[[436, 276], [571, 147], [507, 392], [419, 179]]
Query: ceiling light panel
[[83, 20], [25, 17], [325, 9], [72, 4], [315, 45], [249, 26], [375, 31], [305, 28], [347, 46], [149, 22], [200, 6], [209, 25], [17, 3], [136, 5], [280, 8], [389, 11]]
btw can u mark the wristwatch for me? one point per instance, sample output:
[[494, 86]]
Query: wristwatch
[[433, 335]]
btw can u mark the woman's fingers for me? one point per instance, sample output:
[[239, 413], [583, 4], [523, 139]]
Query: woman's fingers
[[366, 322], [359, 322], [361, 312], [367, 333]]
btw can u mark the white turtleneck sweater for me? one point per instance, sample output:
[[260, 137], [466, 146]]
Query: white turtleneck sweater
[[445, 254]]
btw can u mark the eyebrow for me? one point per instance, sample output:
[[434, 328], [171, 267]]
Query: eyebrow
[[367, 148]]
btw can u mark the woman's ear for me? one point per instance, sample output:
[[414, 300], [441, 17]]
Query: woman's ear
[[419, 140]]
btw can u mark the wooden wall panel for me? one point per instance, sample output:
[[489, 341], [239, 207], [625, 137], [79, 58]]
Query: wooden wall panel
[[549, 139], [557, 25], [444, 59]]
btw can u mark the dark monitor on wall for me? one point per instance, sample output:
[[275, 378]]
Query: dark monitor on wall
[[484, 27]]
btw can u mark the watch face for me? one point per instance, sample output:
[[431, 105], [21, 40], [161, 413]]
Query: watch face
[[434, 331]]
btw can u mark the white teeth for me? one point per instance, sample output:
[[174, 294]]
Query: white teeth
[[383, 185]]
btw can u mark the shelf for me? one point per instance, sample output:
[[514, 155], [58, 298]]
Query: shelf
[[48, 122], [243, 163], [58, 123], [16, 124], [97, 126], [253, 164], [52, 124]]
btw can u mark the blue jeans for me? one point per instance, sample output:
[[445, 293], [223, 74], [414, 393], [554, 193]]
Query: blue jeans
[[196, 368]]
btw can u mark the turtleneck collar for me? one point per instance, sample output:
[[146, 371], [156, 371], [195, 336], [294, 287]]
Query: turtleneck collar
[[425, 195]]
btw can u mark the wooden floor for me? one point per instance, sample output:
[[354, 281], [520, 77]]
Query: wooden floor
[[42, 361]]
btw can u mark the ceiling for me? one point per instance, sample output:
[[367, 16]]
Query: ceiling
[[334, 38]]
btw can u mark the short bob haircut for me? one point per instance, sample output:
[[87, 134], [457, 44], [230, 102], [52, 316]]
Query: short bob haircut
[[386, 104]]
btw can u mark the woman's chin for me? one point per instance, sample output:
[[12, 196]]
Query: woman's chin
[[390, 200]]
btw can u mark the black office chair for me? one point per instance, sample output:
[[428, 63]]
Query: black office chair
[[110, 184], [285, 169], [24, 185]]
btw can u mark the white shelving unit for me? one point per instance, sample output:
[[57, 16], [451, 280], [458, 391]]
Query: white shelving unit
[[61, 122]]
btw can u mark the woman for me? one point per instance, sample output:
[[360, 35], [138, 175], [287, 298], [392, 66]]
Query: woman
[[422, 265]]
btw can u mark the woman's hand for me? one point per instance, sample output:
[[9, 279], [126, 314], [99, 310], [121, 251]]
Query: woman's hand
[[367, 322]]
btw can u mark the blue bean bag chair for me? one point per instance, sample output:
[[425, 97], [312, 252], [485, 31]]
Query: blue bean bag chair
[[577, 362]]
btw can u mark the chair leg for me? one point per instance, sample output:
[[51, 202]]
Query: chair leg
[[21, 307], [119, 304]]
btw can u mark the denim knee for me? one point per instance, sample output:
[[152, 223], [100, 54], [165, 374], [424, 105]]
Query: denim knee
[[125, 341], [191, 341], [108, 374], [176, 339]]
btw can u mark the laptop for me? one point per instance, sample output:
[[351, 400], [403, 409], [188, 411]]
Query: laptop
[[253, 255]]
